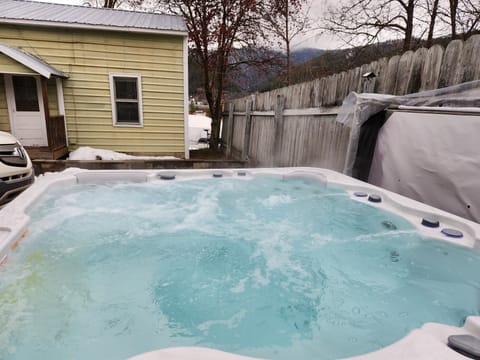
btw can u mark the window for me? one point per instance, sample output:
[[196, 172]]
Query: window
[[126, 94], [25, 89]]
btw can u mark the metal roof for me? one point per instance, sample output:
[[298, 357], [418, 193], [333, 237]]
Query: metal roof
[[30, 61], [30, 12]]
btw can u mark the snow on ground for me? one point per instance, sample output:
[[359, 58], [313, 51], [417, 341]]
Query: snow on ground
[[89, 153], [198, 126]]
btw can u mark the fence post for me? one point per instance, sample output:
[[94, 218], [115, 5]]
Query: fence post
[[278, 125], [231, 108], [248, 128]]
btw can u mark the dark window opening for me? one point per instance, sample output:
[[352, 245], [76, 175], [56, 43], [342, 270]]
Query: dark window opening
[[26, 95]]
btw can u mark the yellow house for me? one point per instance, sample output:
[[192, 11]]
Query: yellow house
[[75, 76]]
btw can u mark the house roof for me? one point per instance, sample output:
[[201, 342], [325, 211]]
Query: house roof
[[30, 61], [37, 13]]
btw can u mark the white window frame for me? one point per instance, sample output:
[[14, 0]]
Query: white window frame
[[113, 99]]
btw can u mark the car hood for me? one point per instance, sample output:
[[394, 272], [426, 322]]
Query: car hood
[[6, 138]]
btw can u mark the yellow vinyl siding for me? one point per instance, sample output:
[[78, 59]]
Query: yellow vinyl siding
[[9, 66], [4, 120], [88, 57]]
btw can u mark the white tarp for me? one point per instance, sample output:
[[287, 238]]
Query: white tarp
[[432, 157], [358, 108]]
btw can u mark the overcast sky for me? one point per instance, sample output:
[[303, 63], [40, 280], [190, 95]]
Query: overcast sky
[[312, 39]]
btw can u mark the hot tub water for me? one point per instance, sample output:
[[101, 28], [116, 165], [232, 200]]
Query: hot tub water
[[262, 267]]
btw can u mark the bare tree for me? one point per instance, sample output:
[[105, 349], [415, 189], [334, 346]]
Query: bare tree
[[369, 20], [215, 29], [462, 17], [468, 17], [286, 20], [456, 18]]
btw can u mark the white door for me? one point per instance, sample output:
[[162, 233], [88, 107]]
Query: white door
[[25, 107]]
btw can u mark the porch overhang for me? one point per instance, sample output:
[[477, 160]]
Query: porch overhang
[[30, 61]]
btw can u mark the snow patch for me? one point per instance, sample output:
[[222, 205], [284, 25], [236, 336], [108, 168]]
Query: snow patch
[[199, 126], [89, 153]]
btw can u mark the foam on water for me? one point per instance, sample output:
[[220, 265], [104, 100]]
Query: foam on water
[[265, 267]]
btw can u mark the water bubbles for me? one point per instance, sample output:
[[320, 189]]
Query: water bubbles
[[240, 287]]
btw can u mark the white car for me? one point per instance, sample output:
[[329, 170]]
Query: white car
[[16, 171]]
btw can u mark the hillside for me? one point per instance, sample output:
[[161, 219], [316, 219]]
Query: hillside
[[301, 56]]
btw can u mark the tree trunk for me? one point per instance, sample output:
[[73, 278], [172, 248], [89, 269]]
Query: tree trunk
[[431, 27], [453, 18], [109, 4], [216, 113], [287, 40], [407, 44], [216, 100], [215, 133]]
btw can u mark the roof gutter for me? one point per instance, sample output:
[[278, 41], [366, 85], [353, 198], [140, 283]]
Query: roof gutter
[[92, 27]]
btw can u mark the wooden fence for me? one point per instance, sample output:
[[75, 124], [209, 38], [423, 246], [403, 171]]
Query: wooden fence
[[283, 137], [295, 125]]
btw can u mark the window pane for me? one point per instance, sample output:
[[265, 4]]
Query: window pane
[[25, 90], [126, 88], [127, 112]]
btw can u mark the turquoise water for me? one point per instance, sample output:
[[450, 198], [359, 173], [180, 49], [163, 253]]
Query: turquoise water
[[265, 267]]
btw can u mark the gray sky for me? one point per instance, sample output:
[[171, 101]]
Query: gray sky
[[311, 39]]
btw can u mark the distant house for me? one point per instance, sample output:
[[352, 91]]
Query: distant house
[[78, 76]]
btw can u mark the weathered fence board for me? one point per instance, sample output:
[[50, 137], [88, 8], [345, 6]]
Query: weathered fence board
[[238, 134], [451, 65], [414, 81], [391, 75], [261, 147], [471, 59], [380, 70], [228, 130], [278, 127], [431, 68], [404, 68]]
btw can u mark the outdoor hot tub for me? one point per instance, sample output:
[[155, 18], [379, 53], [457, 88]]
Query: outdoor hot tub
[[301, 263]]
